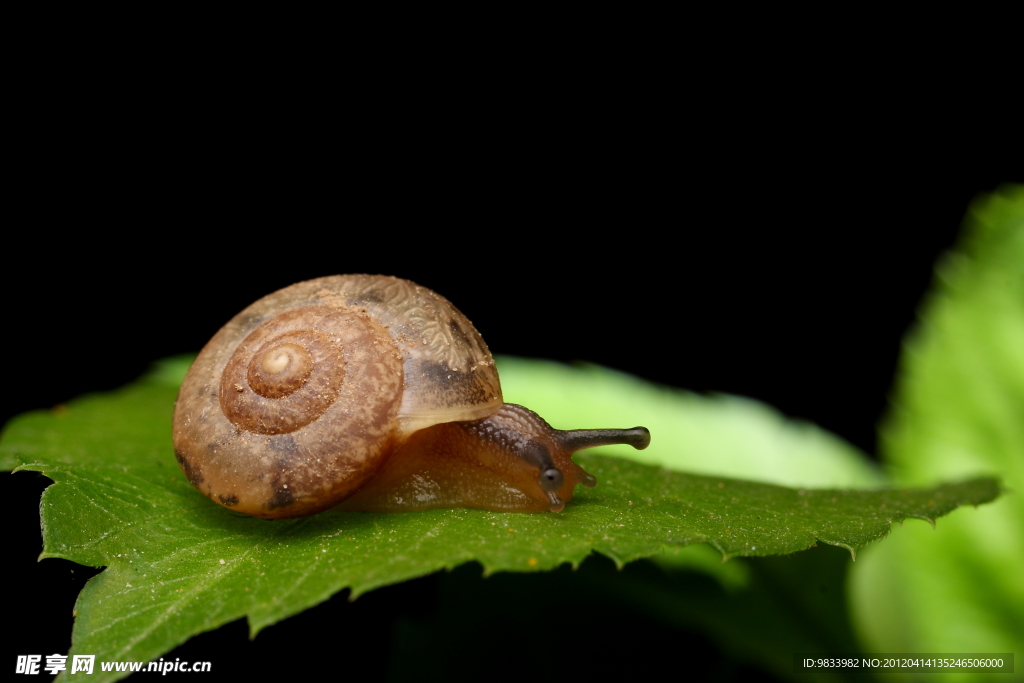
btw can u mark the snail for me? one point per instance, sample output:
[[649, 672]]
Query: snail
[[372, 393]]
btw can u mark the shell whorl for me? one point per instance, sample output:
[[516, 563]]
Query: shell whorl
[[287, 372]]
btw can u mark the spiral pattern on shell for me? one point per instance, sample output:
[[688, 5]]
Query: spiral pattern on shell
[[286, 374]]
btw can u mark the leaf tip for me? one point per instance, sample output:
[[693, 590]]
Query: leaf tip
[[614, 557], [930, 520], [725, 556]]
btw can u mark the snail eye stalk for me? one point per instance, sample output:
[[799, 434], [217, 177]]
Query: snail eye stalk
[[577, 439]]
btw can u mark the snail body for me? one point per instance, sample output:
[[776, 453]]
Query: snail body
[[369, 393]]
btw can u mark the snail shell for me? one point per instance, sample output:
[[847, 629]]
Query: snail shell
[[370, 390]]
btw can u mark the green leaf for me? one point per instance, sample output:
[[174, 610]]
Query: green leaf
[[958, 408], [177, 564]]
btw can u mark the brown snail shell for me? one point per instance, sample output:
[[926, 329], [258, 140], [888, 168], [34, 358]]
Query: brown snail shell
[[370, 390]]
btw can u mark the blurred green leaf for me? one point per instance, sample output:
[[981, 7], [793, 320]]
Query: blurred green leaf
[[177, 564], [720, 435], [958, 408]]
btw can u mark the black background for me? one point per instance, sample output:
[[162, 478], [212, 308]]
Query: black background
[[786, 275]]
